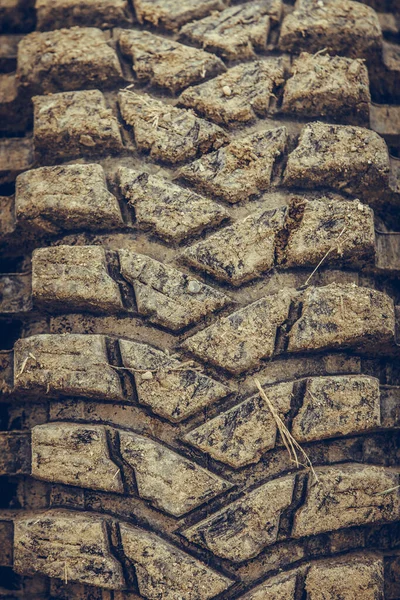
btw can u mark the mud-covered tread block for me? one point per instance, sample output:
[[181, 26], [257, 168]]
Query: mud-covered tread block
[[342, 27], [17, 16], [168, 480], [74, 277], [328, 86], [74, 454], [346, 496], [242, 529], [15, 453], [166, 63], [275, 588], [239, 95], [67, 365], [384, 76], [170, 15], [67, 60], [361, 574], [171, 388], [164, 571], [66, 198], [241, 435], [71, 124], [170, 134], [241, 252], [64, 544], [55, 14], [170, 211], [342, 315], [7, 215], [238, 342], [385, 120], [167, 296], [239, 170], [346, 158], [8, 52], [14, 107], [344, 229], [235, 33], [16, 156], [337, 406]]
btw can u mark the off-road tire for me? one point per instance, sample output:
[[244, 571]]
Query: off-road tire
[[199, 230]]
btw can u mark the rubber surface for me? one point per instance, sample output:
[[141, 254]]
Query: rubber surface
[[199, 395]]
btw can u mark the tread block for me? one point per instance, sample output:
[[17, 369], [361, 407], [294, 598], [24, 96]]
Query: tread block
[[14, 107], [343, 157], [74, 454], [171, 482], [75, 277], [166, 63], [170, 134], [55, 199], [164, 571], [238, 342], [16, 155], [65, 365], [67, 60], [71, 124], [7, 216], [239, 95], [8, 52], [280, 587], [66, 545], [345, 230], [346, 496], [329, 407], [359, 575], [241, 530], [385, 120], [241, 169], [337, 406], [54, 14], [242, 251], [354, 575], [331, 86], [340, 315], [169, 14], [236, 32], [241, 435], [384, 77], [167, 296], [170, 211], [16, 16], [342, 26], [172, 389], [14, 453]]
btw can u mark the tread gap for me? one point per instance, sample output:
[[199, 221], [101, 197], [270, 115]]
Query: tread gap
[[282, 337], [126, 377], [127, 473], [126, 290], [287, 515], [116, 549]]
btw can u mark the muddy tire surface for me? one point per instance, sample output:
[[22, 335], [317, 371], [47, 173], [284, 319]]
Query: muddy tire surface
[[199, 300]]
